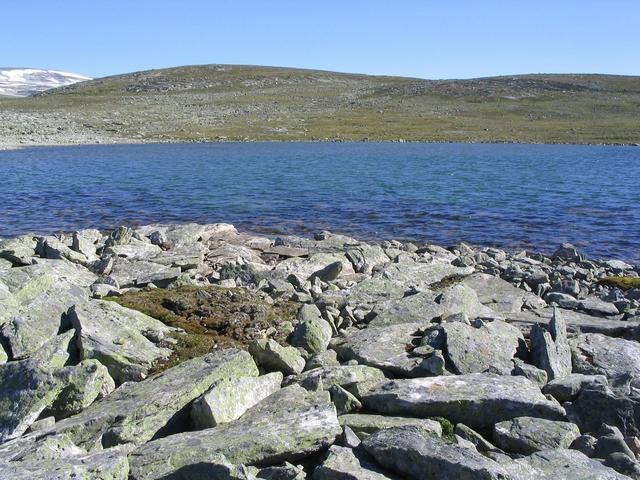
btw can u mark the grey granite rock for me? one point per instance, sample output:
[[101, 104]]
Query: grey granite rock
[[346, 464], [288, 425], [364, 424], [342, 375], [550, 349], [272, 356], [566, 388], [527, 435], [477, 400]]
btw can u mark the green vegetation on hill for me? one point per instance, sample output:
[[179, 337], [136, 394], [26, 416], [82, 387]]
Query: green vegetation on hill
[[216, 102]]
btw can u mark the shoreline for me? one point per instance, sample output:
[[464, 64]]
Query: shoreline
[[13, 147]]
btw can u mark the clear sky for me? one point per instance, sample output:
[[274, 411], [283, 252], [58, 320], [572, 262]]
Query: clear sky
[[428, 38]]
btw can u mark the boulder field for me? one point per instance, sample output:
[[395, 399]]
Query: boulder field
[[322, 358]]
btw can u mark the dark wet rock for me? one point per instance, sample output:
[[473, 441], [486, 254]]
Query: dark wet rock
[[477, 400]]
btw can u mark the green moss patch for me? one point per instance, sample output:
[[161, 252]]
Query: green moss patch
[[623, 283], [211, 317]]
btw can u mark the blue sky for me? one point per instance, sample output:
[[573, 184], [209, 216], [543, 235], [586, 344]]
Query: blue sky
[[428, 38]]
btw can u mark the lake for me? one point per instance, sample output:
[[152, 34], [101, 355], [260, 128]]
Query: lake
[[510, 196]]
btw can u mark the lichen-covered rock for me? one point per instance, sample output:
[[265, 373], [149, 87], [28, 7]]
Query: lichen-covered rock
[[364, 424], [82, 385], [287, 425], [527, 435], [550, 349], [500, 295], [596, 354], [136, 412], [566, 388], [342, 375], [422, 275], [19, 251], [229, 398], [477, 400], [313, 334], [410, 452], [270, 355], [382, 347], [344, 463], [344, 400], [122, 339], [109, 464], [483, 345], [40, 297]]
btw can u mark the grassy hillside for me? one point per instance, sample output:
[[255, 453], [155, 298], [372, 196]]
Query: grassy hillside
[[264, 103]]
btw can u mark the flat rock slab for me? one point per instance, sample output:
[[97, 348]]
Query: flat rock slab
[[560, 464], [500, 295], [345, 463], [422, 275], [136, 412], [35, 300], [364, 424], [141, 273], [285, 426], [477, 400], [596, 354], [409, 452], [527, 435], [342, 375], [428, 305], [575, 321], [387, 348], [122, 339]]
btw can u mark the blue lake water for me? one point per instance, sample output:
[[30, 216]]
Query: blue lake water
[[511, 196]]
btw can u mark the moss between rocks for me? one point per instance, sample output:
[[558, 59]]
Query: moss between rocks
[[447, 428], [623, 283], [212, 317]]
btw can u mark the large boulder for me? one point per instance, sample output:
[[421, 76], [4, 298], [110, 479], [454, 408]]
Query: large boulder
[[477, 400], [272, 356], [565, 389], [421, 275], [345, 463], [476, 348], [285, 426], [19, 251], [527, 434], [427, 305], [229, 398], [596, 354], [28, 387], [123, 340], [410, 452], [137, 412], [40, 297], [365, 424], [550, 349], [139, 273], [500, 295], [382, 347]]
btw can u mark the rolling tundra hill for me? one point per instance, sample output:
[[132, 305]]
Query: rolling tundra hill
[[233, 102]]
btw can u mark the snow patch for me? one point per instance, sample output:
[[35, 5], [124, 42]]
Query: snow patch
[[21, 82]]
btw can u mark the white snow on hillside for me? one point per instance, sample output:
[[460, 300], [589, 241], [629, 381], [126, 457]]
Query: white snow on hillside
[[20, 82]]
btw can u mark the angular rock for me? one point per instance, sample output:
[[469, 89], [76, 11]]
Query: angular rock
[[364, 424], [229, 398], [128, 416], [478, 441], [530, 372], [344, 401], [477, 400], [500, 295], [141, 273], [382, 347], [288, 425], [527, 435], [313, 334], [474, 349], [550, 349], [19, 251], [55, 249], [422, 275], [596, 354], [410, 452], [595, 306], [347, 464], [328, 358], [328, 273], [122, 339], [314, 264], [40, 297], [270, 355], [82, 385], [342, 375], [566, 388]]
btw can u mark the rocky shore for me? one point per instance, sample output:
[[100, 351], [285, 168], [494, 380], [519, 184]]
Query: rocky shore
[[197, 351]]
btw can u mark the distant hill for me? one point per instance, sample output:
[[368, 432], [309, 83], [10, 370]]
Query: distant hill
[[20, 82], [214, 102]]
